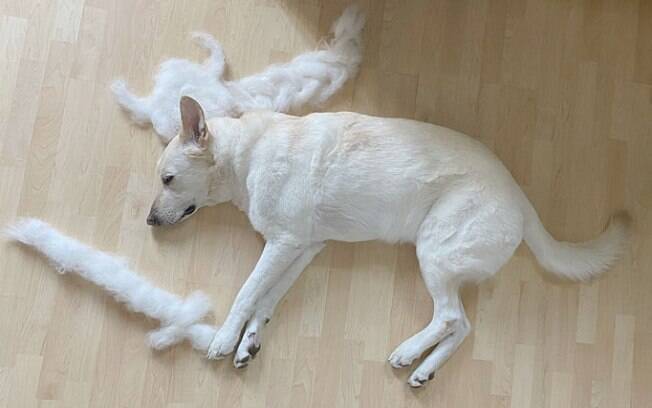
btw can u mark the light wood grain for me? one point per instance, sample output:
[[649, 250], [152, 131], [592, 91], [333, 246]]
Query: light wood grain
[[560, 90]]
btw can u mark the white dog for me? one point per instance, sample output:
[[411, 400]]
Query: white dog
[[350, 177], [309, 79]]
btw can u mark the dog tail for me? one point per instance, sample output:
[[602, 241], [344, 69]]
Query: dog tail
[[310, 78], [215, 61], [137, 107], [579, 261]]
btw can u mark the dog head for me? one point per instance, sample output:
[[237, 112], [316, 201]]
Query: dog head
[[186, 169]]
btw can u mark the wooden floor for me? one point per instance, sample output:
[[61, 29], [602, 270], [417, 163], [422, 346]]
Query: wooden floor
[[560, 90]]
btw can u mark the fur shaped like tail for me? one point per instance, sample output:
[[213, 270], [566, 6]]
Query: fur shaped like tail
[[215, 60], [137, 107], [580, 261], [179, 317], [347, 30], [310, 78]]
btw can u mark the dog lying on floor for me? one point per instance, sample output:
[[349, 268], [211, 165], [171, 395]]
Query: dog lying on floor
[[351, 177], [309, 79]]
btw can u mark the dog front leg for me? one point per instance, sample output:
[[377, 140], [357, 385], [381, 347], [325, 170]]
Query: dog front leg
[[252, 337], [273, 262]]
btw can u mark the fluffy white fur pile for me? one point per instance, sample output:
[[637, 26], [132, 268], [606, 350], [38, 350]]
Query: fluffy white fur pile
[[179, 317], [309, 79]]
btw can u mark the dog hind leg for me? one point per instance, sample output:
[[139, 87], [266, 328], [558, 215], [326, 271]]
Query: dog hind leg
[[447, 319], [464, 238], [442, 351]]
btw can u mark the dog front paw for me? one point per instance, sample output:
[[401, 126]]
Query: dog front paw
[[248, 348], [222, 345]]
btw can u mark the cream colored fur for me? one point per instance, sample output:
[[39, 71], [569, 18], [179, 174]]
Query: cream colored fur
[[350, 177], [309, 79], [180, 318]]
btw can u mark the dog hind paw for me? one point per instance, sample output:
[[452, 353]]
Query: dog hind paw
[[403, 356], [418, 379]]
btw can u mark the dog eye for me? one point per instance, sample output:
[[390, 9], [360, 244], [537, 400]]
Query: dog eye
[[167, 180]]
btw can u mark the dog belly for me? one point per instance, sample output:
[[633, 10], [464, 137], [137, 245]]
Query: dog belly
[[369, 217]]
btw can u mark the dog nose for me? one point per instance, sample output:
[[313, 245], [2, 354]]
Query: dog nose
[[152, 219]]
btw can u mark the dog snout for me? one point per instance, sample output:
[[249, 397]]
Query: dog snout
[[152, 218]]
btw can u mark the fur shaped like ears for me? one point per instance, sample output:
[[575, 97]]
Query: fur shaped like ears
[[193, 123]]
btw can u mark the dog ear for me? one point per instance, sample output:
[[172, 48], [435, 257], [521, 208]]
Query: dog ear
[[193, 124]]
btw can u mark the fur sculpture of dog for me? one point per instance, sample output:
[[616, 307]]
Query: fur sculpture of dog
[[309, 79]]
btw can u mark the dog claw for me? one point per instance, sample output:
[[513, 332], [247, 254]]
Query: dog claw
[[396, 361], [399, 365], [253, 350], [416, 382], [215, 356], [242, 363]]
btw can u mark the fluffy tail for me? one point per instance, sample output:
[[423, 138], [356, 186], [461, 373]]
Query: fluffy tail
[[178, 316], [138, 108], [215, 60], [347, 29], [577, 261], [310, 78]]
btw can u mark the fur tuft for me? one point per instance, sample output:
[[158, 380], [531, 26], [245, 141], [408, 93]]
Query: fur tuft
[[201, 335], [310, 78], [348, 28], [137, 107], [25, 230], [215, 61], [177, 316]]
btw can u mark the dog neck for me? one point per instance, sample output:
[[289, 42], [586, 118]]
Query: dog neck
[[232, 147]]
